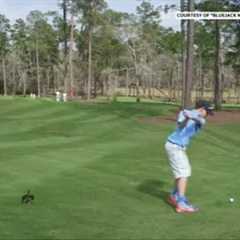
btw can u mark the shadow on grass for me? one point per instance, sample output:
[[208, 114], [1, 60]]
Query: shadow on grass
[[155, 189]]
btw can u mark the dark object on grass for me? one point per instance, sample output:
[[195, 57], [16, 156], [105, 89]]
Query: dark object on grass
[[28, 197]]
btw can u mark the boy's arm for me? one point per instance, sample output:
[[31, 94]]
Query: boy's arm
[[182, 119], [197, 118]]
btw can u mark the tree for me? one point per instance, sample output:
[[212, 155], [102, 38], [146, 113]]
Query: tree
[[4, 47], [204, 33], [171, 43], [43, 45], [187, 100], [233, 54], [184, 7], [108, 52], [217, 25], [20, 49], [91, 14], [66, 5], [71, 56], [149, 34]]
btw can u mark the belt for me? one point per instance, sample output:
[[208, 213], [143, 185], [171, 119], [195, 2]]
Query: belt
[[176, 144]]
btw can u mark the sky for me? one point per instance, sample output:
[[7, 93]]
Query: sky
[[14, 9]]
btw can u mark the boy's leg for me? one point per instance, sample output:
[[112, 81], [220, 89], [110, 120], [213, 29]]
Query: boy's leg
[[182, 204], [179, 190], [181, 186]]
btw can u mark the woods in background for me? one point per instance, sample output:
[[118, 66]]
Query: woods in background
[[88, 50]]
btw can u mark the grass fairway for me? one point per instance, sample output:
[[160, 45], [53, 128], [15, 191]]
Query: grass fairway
[[97, 173]]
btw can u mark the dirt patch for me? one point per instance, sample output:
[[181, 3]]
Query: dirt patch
[[222, 117]]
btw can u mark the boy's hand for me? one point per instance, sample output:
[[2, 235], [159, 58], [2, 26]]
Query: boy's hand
[[182, 124], [186, 115], [198, 119]]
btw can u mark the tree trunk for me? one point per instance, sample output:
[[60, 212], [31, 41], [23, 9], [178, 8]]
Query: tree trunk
[[109, 86], [4, 76], [202, 85], [38, 70], [171, 84], [178, 82], [104, 89], [14, 78], [89, 65], [24, 82], [148, 85], [65, 44], [65, 27], [183, 31], [174, 89], [137, 78], [65, 75], [218, 70], [57, 83], [48, 80], [151, 91], [95, 88], [71, 57], [127, 81], [201, 76], [31, 75], [189, 60]]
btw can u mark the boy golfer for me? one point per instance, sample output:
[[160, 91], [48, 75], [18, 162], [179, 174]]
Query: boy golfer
[[189, 123]]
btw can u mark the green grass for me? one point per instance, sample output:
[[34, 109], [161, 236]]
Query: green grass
[[231, 106], [98, 173]]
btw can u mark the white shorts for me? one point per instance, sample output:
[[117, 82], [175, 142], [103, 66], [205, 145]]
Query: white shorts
[[178, 160]]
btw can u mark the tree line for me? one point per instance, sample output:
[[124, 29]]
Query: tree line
[[87, 49]]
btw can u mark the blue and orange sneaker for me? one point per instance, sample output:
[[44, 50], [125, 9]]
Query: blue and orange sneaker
[[183, 206], [173, 198]]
